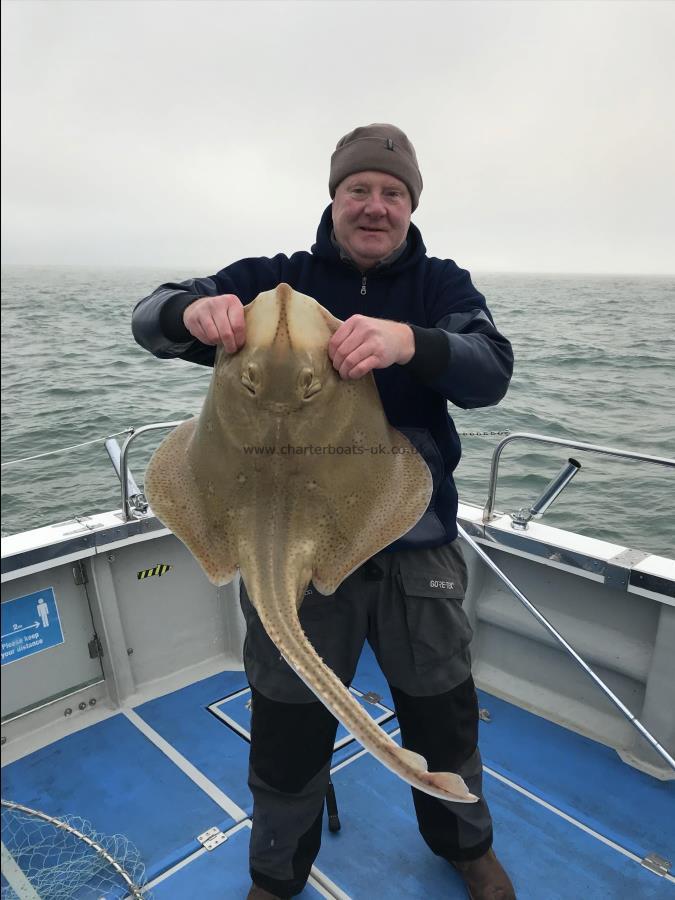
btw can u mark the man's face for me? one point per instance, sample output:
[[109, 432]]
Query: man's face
[[371, 216]]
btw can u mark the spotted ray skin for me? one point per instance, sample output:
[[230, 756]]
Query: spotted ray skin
[[253, 484]]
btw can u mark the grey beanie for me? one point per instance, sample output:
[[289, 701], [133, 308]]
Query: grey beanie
[[384, 148]]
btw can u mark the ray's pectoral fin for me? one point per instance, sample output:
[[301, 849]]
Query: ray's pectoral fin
[[376, 496], [176, 499]]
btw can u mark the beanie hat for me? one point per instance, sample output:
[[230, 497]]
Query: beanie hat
[[384, 148]]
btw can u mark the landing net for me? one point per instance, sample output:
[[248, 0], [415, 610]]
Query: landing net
[[44, 858]]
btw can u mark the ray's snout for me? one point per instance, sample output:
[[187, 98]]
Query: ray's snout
[[284, 362]]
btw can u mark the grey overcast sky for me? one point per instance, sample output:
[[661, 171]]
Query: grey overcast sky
[[188, 134]]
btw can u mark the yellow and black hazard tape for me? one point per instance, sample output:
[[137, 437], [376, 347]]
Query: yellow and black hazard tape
[[160, 570]]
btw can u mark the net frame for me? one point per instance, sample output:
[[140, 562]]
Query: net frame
[[133, 890]]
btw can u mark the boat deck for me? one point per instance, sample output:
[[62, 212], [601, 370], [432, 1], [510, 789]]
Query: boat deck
[[571, 819]]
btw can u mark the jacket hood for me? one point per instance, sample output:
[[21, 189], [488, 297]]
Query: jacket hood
[[325, 249]]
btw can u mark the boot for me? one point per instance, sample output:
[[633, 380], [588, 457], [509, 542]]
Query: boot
[[485, 878], [258, 893]]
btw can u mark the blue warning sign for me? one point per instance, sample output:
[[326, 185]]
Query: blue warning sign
[[30, 624]]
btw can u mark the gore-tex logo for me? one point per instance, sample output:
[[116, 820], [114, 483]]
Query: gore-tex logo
[[446, 585]]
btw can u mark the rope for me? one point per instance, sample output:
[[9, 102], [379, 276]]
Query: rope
[[482, 433], [14, 462]]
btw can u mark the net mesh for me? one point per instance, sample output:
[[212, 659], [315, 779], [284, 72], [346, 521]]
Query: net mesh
[[65, 859]]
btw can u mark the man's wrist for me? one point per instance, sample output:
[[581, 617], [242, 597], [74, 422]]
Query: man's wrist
[[407, 350], [171, 317], [432, 354]]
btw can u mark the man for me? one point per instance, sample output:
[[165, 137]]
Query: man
[[425, 332]]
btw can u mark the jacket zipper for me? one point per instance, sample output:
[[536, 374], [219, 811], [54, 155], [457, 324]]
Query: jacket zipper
[[363, 286]]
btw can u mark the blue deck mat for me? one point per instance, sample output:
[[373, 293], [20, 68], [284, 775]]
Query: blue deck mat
[[580, 777], [216, 875], [113, 776], [182, 718], [379, 849]]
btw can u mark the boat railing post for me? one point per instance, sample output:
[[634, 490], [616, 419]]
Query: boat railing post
[[129, 511], [136, 498]]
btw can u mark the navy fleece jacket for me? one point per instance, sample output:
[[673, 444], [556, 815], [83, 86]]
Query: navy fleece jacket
[[459, 354]]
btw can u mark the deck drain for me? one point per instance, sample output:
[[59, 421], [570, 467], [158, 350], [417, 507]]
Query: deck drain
[[656, 864], [371, 697]]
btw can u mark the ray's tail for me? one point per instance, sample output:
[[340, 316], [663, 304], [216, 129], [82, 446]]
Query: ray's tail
[[287, 634]]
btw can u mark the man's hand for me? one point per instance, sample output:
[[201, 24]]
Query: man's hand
[[217, 320], [361, 344]]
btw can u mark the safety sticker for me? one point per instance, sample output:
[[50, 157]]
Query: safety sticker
[[160, 570], [30, 624]]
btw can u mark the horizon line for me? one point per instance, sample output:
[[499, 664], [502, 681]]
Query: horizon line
[[476, 271]]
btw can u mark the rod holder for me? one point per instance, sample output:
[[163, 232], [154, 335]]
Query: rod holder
[[136, 497], [523, 516]]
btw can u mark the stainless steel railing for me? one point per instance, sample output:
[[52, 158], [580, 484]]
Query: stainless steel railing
[[133, 501], [488, 511]]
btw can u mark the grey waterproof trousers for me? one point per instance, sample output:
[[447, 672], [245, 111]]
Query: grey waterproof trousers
[[408, 605]]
